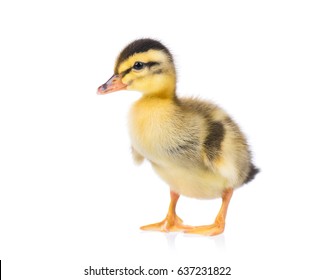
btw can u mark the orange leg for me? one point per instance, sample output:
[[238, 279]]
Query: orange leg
[[171, 222], [219, 224]]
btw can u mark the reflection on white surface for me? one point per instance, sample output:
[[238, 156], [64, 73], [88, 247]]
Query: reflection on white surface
[[170, 238], [217, 242]]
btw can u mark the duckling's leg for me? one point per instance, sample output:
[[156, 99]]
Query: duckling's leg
[[219, 224], [172, 222]]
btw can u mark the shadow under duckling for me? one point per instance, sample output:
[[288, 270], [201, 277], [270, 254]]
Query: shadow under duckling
[[193, 145]]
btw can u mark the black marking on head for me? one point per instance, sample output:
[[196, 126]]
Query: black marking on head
[[140, 46], [152, 63], [252, 172], [148, 64], [214, 139], [124, 73], [159, 71]]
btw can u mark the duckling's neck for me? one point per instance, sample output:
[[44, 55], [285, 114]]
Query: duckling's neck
[[165, 88], [168, 95]]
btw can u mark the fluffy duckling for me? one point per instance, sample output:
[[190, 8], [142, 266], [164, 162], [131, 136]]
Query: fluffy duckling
[[192, 145]]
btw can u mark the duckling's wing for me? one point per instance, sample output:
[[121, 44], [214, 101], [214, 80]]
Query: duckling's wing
[[137, 157], [212, 130], [224, 146]]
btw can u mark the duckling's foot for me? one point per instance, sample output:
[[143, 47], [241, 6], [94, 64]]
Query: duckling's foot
[[172, 222], [209, 230], [219, 224], [169, 224]]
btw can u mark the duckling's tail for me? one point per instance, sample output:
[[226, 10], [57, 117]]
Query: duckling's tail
[[252, 172]]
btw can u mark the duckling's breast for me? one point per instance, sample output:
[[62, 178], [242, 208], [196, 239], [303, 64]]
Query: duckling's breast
[[160, 133]]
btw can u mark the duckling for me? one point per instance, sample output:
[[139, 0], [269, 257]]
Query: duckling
[[193, 145]]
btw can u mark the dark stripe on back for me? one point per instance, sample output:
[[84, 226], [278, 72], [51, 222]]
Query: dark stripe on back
[[213, 141]]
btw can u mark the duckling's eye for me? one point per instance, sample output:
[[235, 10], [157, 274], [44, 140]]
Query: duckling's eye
[[138, 65]]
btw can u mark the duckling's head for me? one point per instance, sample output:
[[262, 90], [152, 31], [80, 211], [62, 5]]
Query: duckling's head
[[146, 66]]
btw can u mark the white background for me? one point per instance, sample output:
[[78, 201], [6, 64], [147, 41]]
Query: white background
[[70, 196]]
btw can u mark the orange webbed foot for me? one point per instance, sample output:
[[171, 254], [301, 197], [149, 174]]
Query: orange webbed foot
[[169, 224], [172, 222], [209, 230], [219, 224]]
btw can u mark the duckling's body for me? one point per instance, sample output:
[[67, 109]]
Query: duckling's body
[[174, 135], [193, 145]]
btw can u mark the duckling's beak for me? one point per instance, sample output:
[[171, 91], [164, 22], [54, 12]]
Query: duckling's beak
[[113, 84]]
